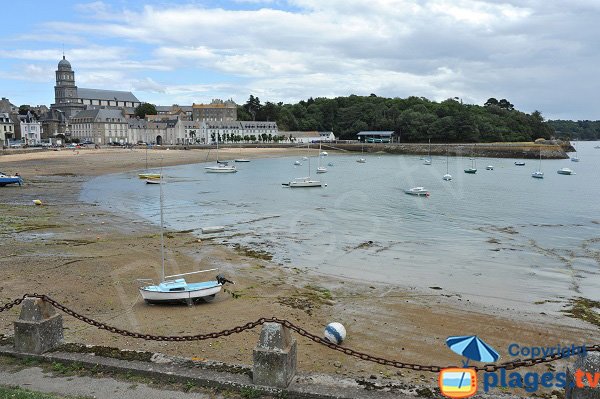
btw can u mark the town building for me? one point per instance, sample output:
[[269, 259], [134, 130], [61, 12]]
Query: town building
[[216, 111], [376, 136], [181, 111], [70, 99], [31, 129], [99, 126], [7, 129], [209, 131]]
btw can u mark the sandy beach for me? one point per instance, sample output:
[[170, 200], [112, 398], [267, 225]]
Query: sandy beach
[[89, 259]]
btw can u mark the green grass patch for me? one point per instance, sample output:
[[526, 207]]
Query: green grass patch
[[585, 309]]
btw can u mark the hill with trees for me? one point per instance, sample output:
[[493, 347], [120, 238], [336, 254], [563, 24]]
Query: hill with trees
[[580, 130], [415, 119]]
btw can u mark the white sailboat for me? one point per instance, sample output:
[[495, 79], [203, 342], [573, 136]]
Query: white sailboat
[[304, 182], [148, 175], [428, 159], [321, 169], [172, 289], [362, 150], [538, 174], [221, 166], [473, 169], [447, 176], [575, 158]]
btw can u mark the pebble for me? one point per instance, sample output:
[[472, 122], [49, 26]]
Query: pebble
[[337, 364]]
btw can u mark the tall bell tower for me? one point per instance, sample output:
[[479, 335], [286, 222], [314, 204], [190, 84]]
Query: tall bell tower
[[65, 91]]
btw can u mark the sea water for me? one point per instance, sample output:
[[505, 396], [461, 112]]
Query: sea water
[[499, 236]]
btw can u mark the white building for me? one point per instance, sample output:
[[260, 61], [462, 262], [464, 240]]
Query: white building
[[31, 129], [99, 126], [210, 130]]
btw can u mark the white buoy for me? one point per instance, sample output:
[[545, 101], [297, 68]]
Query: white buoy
[[335, 333]]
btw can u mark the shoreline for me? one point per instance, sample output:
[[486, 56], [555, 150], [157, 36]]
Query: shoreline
[[103, 252]]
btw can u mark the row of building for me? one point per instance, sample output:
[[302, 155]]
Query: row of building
[[99, 116]]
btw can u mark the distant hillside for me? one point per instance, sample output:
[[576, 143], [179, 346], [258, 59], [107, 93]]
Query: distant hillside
[[416, 119], [580, 130]]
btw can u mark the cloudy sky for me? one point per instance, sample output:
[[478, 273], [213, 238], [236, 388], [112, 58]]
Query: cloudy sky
[[539, 54]]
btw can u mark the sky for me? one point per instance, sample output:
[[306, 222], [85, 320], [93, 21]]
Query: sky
[[539, 54]]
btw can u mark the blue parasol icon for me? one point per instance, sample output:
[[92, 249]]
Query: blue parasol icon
[[473, 348]]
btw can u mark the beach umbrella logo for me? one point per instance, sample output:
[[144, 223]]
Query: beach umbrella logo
[[459, 383], [473, 348]]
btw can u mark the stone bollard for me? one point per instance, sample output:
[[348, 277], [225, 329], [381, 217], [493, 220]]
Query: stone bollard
[[274, 356], [585, 368], [39, 328]]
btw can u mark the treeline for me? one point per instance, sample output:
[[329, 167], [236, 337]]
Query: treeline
[[580, 130], [415, 119]]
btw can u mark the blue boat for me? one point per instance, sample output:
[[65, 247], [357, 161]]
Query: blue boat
[[6, 179]]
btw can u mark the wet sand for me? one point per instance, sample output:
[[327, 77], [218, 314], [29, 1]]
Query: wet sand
[[89, 259]]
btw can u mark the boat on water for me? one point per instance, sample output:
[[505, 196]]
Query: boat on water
[[149, 175], [418, 191], [221, 166], [323, 153], [575, 158], [8, 179], [153, 180], [565, 171], [519, 163], [330, 164], [175, 288], [489, 167], [305, 182], [242, 160], [597, 147], [473, 169], [298, 163], [538, 174], [320, 168], [447, 176], [427, 160], [362, 158]]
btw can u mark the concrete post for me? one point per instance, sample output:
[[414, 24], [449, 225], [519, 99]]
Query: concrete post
[[274, 356], [39, 328], [584, 369]]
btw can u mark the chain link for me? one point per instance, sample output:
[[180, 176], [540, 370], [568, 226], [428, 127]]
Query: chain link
[[301, 331]]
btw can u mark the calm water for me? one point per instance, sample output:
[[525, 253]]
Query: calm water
[[498, 236]]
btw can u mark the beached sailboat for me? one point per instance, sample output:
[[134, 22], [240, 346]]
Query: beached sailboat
[[241, 159], [7, 179], [175, 288], [447, 176], [538, 174], [221, 166], [304, 182]]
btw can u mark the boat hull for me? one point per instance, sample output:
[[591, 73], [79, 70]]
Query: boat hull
[[152, 294], [220, 169], [10, 180], [471, 171], [149, 175]]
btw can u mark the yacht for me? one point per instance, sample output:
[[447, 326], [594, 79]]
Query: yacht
[[565, 171], [418, 191]]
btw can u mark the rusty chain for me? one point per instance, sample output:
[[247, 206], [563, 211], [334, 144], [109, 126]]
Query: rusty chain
[[315, 338]]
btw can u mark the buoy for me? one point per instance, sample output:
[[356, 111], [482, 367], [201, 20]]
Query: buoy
[[37, 202], [335, 333]]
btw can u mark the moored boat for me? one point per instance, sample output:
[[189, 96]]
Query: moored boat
[[7, 179], [519, 163], [565, 171], [418, 191]]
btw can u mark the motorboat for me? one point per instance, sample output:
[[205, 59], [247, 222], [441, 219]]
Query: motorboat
[[575, 159], [242, 160], [471, 171], [489, 167], [321, 169], [565, 171], [8, 179], [298, 163], [519, 163], [418, 191], [304, 182], [153, 180], [447, 177], [323, 153], [427, 162], [361, 160]]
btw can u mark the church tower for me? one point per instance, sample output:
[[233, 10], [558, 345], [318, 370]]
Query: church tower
[[65, 91]]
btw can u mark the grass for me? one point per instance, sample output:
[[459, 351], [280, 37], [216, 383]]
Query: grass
[[585, 309], [8, 392]]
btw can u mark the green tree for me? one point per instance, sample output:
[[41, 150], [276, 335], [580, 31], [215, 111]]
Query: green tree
[[145, 109]]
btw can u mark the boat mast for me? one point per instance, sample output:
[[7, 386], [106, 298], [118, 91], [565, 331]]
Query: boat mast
[[146, 156], [162, 237], [309, 160]]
